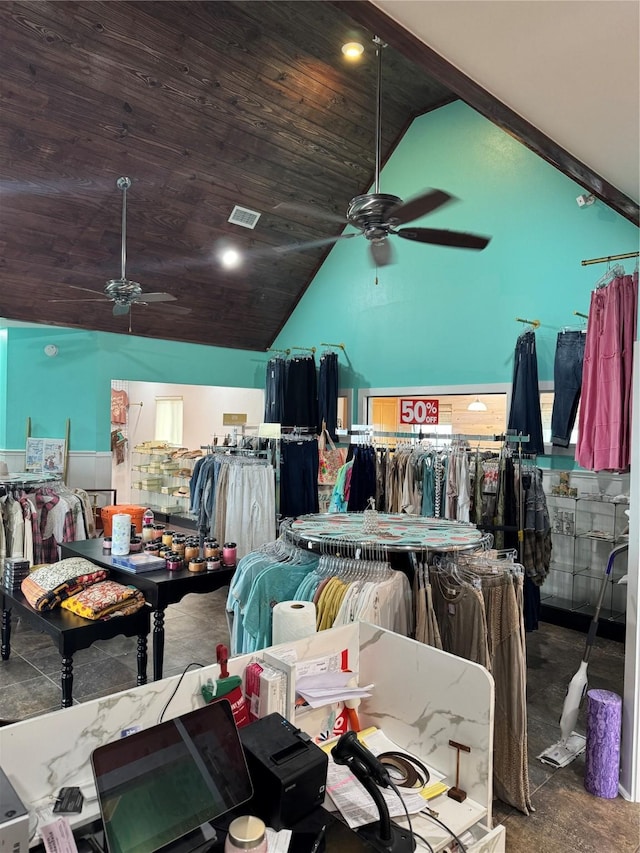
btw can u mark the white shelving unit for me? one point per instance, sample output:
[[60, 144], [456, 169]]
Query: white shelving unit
[[157, 476], [584, 531]]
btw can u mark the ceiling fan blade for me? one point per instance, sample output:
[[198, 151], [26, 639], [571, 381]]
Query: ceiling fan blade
[[309, 210], [176, 309], [381, 252], [419, 205], [77, 300], [440, 237], [312, 244], [156, 297], [86, 289], [121, 308]]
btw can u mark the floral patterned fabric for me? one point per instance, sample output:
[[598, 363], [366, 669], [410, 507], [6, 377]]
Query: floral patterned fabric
[[51, 584], [104, 600]]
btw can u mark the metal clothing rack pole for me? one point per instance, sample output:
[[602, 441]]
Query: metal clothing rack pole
[[608, 258], [305, 349], [515, 439], [580, 314], [534, 323], [335, 346], [281, 351]]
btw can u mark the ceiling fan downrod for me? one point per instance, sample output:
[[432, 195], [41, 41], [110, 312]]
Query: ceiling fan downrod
[[123, 184], [380, 46]]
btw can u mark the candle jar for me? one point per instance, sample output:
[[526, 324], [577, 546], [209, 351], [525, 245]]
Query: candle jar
[[158, 530], [213, 563], [178, 543], [147, 532], [229, 553], [174, 562], [135, 544], [167, 537], [106, 545], [246, 833], [191, 550], [211, 548], [197, 565], [152, 548]]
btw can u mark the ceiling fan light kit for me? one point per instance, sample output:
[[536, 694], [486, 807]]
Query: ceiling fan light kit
[[122, 291], [377, 215]]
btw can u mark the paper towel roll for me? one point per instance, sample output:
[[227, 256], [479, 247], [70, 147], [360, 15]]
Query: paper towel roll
[[293, 620], [120, 534]]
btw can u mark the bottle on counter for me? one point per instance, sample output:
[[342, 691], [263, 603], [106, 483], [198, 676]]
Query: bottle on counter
[[148, 520]]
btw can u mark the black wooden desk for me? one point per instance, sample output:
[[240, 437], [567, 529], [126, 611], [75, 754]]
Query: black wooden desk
[[71, 633], [160, 588]]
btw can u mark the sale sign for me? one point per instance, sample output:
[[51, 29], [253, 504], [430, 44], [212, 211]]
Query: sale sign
[[419, 411]]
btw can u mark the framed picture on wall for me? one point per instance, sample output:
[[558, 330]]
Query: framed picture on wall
[[46, 455]]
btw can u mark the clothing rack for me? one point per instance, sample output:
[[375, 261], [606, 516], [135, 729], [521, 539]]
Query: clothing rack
[[515, 439], [334, 346], [305, 349], [25, 480], [608, 258], [534, 323], [281, 351]]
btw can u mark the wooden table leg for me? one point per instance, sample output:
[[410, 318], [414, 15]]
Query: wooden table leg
[[66, 681], [5, 649], [158, 644], [142, 659]]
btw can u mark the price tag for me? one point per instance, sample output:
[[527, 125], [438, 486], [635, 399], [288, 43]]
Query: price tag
[[419, 411]]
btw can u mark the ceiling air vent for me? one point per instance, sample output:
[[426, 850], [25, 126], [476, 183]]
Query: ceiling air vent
[[244, 217]]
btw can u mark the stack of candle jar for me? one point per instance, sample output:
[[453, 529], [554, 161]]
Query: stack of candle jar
[[181, 551]]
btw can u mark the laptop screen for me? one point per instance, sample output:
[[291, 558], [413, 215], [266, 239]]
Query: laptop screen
[[160, 784]]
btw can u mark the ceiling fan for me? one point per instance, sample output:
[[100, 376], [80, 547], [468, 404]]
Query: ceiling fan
[[377, 215], [122, 291]]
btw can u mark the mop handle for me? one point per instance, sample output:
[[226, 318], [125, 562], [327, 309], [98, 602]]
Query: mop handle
[[593, 627]]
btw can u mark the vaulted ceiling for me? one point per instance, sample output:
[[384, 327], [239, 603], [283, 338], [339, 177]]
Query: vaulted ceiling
[[203, 105]]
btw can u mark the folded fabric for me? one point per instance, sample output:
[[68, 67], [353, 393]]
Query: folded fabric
[[104, 600], [45, 588]]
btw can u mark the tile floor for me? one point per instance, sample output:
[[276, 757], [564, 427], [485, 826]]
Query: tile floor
[[567, 818]]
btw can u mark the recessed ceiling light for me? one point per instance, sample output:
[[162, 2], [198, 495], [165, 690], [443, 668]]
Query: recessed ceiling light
[[230, 258], [353, 49]]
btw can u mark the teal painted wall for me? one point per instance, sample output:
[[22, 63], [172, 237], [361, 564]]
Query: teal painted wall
[[447, 316], [3, 387], [437, 317], [76, 383]]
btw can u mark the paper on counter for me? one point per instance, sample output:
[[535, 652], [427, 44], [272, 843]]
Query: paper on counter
[[353, 801], [278, 842]]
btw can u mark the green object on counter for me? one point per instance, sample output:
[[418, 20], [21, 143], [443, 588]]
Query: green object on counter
[[222, 687]]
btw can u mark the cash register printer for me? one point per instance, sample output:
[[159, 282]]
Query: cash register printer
[[176, 786]]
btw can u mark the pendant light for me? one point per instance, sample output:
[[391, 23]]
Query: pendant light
[[477, 406]]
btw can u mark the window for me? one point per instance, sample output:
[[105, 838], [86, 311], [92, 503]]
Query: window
[[169, 419]]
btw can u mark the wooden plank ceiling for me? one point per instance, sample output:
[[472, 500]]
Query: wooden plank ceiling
[[204, 106]]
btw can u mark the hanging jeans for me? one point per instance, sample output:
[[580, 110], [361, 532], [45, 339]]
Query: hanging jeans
[[567, 382], [301, 394], [274, 391], [525, 416], [299, 478], [328, 393]]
